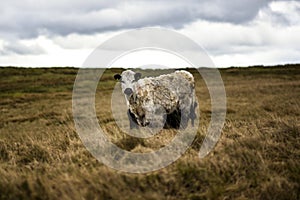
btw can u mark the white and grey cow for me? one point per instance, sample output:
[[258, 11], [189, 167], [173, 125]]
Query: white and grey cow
[[169, 98]]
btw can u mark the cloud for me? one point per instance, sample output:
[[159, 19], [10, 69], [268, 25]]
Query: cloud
[[234, 32], [27, 20], [271, 37], [77, 41], [21, 48], [288, 11]]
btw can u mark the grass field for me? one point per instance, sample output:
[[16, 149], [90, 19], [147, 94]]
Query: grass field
[[257, 156]]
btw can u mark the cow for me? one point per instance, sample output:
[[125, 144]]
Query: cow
[[168, 98]]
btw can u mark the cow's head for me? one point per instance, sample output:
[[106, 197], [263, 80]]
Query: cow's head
[[127, 79]]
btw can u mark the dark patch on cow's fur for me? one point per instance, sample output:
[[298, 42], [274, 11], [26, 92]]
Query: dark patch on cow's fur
[[173, 120], [132, 120]]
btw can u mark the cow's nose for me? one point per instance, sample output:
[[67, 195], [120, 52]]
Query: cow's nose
[[128, 91]]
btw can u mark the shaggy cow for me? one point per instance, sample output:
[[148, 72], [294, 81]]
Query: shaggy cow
[[168, 99]]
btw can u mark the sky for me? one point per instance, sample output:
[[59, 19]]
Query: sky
[[233, 32]]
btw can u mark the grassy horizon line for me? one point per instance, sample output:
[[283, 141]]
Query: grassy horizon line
[[203, 67]]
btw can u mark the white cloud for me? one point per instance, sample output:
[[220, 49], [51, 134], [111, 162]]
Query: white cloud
[[54, 55], [21, 48], [288, 10], [261, 41], [150, 59], [76, 41]]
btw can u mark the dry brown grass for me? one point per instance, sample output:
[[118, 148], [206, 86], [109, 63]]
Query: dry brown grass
[[257, 156]]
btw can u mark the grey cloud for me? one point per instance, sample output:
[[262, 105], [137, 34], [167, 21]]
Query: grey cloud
[[233, 11], [21, 49], [28, 20]]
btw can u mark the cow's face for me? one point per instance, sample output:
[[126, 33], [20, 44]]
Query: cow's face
[[127, 79]]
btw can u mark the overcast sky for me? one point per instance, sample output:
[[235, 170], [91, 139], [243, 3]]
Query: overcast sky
[[233, 32]]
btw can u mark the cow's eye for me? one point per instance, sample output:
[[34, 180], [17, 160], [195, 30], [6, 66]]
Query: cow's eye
[[122, 81], [133, 81]]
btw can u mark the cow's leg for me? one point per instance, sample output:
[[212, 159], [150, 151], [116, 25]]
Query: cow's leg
[[173, 119], [185, 116], [132, 120], [184, 121], [193, 113]]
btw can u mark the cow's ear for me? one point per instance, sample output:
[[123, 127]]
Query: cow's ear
[[117, 76], [137, 76]]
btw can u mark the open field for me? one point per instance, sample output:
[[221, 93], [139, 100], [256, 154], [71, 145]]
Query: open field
[[257, 156]]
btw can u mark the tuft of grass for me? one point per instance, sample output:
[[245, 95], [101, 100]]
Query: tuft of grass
[[30, 153], [4, 154]]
